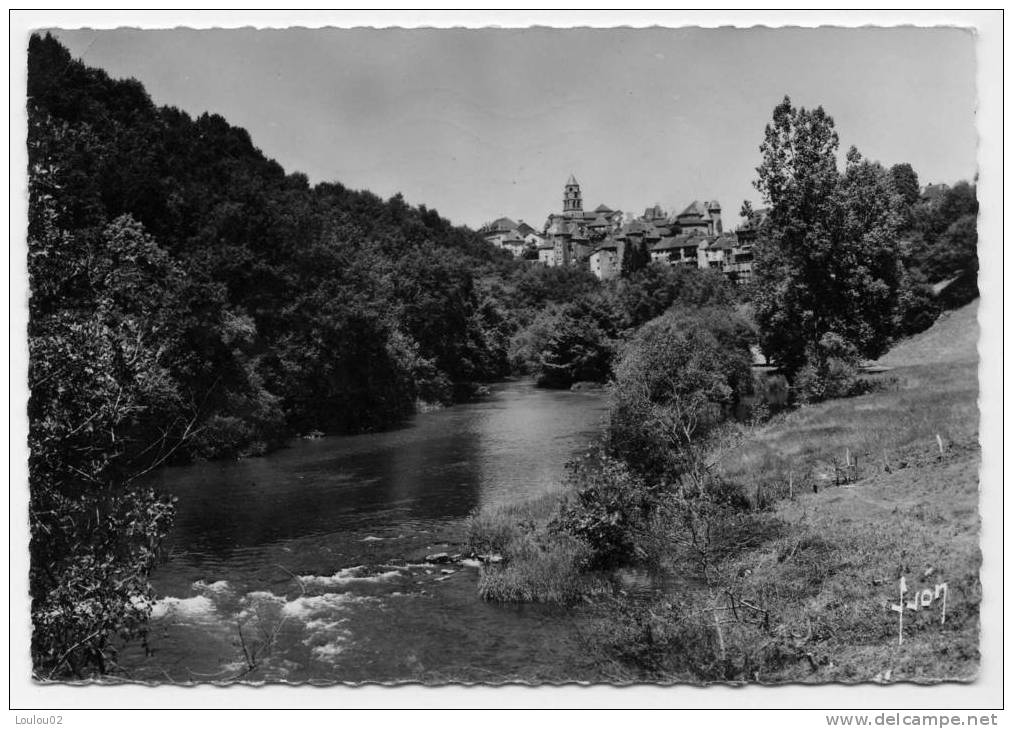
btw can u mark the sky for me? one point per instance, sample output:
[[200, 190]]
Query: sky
[[483, 123]]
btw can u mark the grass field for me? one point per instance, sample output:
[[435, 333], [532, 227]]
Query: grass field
[[930, 390]]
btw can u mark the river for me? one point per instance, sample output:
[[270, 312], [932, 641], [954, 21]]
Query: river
[[309, 564]]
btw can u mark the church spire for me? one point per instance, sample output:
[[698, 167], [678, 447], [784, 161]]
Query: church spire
[[572, 202]]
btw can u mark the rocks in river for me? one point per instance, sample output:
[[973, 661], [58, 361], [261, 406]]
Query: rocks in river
[[447, 572], [586, 386], [447, 558], [463, 560]]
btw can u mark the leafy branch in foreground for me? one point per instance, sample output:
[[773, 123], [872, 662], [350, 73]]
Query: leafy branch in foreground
[[104, 408]]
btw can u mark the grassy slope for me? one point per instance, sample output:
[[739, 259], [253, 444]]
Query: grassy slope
[[832, 574]]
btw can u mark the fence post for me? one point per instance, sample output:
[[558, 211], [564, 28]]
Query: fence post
[[721, 638]]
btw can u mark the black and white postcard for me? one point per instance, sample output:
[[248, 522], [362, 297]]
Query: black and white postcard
[[511, 354]]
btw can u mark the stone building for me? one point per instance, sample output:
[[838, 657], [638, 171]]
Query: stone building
[[683, 249], [575, 233], [517, 237], [606, 259], [702, 217]]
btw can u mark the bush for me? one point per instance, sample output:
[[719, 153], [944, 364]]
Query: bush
[[608, 510], [678, 379], [955, 252], [540, 566], [831, 371], [488, 532], [536, 563], [770, 394], [669, 640], [917, 308], [963, 290]]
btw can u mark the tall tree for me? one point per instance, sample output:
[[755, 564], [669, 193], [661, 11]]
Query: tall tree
[[635, 257], [905, 183], [827, 261]]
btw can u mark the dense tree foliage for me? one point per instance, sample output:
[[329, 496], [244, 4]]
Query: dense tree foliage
[[905, 183], [190, 298], [580, 345], [577, 341], [942, 237], [939, 245], [828, 259], [653, 290], [845, 262]]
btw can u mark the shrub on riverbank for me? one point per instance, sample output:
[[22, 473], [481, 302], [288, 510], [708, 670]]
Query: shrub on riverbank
[[607, 508], [489, 530], [541, 565], [679, 378], [527, 560]]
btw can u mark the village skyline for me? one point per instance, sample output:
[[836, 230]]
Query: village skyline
[[640, 116]]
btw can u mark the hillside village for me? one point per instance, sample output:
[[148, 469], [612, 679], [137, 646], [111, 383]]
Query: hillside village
[[597, 239]]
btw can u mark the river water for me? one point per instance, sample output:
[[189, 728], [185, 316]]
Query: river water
[[309, 564]]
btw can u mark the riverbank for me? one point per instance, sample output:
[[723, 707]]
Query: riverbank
[[846, 498]]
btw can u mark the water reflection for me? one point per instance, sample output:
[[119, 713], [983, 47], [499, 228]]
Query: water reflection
[[440, 467]]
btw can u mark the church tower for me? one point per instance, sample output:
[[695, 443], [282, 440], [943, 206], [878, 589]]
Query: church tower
[[714, 209], [572, 202]]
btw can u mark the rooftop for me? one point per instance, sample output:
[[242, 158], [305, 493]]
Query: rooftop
[[502, 224], [695, 208], [678, 241]]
